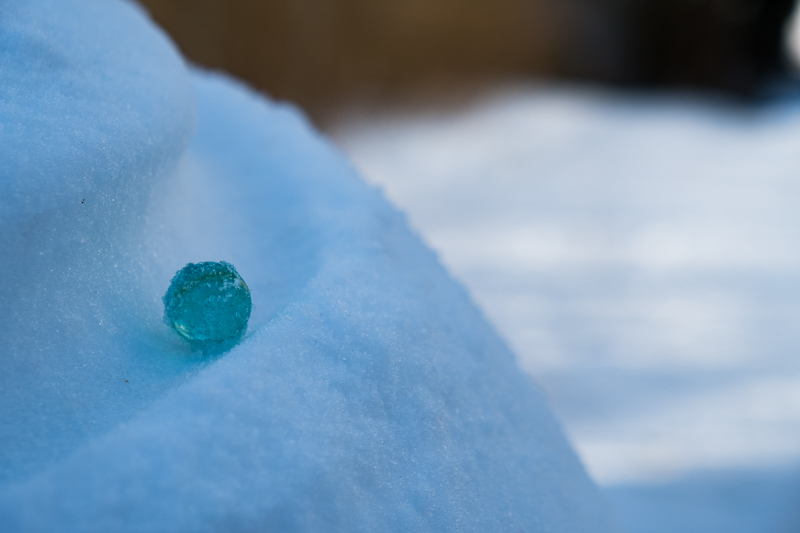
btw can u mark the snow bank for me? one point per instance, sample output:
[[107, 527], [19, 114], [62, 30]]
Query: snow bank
[[368, 394]]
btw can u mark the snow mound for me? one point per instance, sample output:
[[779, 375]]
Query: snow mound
[[367, 395]]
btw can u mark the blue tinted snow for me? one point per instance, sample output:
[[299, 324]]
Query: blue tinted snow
[[369, 393]]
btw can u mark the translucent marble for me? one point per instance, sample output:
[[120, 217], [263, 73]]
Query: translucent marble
[[208, 304]]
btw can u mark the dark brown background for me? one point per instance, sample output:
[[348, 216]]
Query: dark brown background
[[327, 53]]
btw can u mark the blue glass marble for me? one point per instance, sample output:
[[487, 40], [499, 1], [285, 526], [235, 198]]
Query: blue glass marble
[[208, 304]]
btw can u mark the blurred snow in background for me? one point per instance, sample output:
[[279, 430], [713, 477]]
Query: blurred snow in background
[[641, 254]]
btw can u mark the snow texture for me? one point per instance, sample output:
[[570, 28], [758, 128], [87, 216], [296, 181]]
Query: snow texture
[[368, 393]]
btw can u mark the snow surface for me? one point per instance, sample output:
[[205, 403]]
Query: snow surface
[[642, 256], [368, 394]]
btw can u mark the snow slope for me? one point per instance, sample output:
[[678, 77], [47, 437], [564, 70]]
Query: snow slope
[[368, 394]]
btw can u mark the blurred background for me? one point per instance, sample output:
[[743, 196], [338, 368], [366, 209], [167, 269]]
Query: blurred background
[[325, 54], [616, 182]]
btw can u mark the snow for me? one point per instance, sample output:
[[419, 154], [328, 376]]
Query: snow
[[368, 393], [641, 254], [91, 116], [736, 501]]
